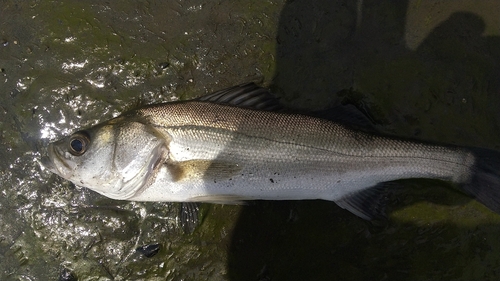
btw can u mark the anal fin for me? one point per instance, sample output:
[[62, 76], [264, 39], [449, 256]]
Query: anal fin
[[368, 204]]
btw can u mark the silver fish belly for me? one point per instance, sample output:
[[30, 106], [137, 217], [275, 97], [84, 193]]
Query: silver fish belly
[[223, 152]]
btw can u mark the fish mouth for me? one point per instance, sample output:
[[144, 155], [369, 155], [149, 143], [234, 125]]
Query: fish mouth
[[49, 161]]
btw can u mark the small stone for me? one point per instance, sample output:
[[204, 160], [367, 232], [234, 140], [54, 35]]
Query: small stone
[[163, 65], [149, 250], [67, 275]]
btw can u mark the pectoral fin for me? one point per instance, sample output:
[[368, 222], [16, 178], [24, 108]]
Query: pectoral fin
[[202, 169]]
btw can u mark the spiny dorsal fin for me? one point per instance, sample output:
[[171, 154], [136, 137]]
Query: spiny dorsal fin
[[348, 115], [367, 204], [246, 95]]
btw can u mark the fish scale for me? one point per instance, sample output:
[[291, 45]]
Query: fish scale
[[323, 151]]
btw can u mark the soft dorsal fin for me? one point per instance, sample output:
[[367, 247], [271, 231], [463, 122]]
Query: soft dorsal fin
[[246, 95], [348, 115]]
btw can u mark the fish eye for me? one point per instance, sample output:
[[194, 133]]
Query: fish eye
[[78, 143]]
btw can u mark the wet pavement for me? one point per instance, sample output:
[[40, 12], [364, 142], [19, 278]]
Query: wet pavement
[[422, 69]]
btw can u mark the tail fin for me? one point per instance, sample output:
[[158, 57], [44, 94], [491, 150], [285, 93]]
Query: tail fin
[[484, 182]]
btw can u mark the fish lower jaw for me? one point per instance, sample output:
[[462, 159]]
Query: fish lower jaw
[[119, 195], [47, 164], [127, 190]]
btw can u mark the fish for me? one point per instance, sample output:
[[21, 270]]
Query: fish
[[240, 144]]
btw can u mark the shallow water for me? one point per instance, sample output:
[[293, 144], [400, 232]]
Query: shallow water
[[421, 69]]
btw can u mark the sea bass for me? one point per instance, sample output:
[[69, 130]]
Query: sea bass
[[236, 144]]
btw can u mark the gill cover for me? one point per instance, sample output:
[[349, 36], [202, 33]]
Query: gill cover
[[139, 152]]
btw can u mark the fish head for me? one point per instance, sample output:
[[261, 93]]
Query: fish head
[[117, 159]]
